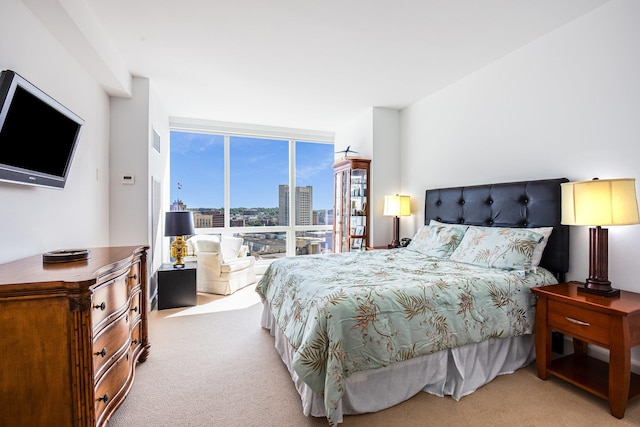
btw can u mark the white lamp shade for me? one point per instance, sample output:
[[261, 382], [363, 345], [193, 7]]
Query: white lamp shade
[[600, 202], [397, 205]]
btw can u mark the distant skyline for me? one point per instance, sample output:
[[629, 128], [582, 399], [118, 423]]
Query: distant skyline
[[257, 167]]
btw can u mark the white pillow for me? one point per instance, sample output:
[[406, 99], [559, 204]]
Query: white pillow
[[207, 245], [230, 247], [191, 246], [193, 243], [538, 251]]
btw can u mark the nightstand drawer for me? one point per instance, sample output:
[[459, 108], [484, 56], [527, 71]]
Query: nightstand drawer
[[579, 322]]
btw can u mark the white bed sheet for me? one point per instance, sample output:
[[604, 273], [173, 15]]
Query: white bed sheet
[[456, 373]]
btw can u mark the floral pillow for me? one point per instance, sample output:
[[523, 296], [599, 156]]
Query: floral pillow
[[537, 252], [446, 224], [496, 247], [436, 240]]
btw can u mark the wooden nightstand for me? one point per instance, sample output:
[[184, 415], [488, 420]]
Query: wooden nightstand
[[612, 323]]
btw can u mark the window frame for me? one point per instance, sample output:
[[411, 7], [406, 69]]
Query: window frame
[[228, 130]]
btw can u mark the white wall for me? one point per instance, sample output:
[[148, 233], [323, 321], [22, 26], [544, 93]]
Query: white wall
[[375, 134], [95, 208], [35, 220], [133, 121], [356, 134], [129, 151], [385, 174], [567, 105], [159, 171]]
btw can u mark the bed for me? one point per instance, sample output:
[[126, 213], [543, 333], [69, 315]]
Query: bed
[[363, 331]]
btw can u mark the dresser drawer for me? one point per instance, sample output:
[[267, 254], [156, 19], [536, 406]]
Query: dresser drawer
[[112, 385], [135, 306], [108, 299], [579, 322], [110, 343], [136, 341], [134, 275]]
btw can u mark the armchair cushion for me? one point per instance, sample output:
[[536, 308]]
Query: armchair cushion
[[237, 264]]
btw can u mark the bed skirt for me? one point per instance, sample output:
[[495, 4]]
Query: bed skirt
[[456, 373]]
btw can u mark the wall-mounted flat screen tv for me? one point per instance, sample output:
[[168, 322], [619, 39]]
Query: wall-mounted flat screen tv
[[38, 135]]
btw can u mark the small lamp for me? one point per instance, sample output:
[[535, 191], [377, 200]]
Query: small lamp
[[600, 202], [396, 206], [178, 224]]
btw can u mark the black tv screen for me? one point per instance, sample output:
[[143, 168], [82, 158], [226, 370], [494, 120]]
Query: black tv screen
[[38, 135]]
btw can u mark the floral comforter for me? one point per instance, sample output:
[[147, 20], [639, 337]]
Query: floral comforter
[[349, 312]]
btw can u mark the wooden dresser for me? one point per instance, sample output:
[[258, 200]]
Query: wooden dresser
[[70, 336]]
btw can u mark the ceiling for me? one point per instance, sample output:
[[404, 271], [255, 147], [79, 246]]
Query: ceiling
[[311, 64]]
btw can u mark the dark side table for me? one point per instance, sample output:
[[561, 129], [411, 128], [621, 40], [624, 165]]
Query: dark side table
[[177, 286]]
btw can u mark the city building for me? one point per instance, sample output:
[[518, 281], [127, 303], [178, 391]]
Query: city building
[[304, 205]]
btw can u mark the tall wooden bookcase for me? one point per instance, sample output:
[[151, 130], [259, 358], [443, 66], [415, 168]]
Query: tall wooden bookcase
[[351, 204]]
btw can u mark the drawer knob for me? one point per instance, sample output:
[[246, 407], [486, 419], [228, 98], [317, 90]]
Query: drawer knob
[[577, 322], [104, 398], [101, 306], [135, 341], [102, 352], [134, 277], [135, 309]]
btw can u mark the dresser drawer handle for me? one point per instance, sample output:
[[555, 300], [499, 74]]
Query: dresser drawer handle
[[577, 322], [134, 309], [104, 398], [101, 306], [102, 352], [134, 277], [135, 342]]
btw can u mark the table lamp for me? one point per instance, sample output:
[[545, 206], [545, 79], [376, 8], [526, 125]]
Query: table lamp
[[396, 206], [598, 203], [178, 224]]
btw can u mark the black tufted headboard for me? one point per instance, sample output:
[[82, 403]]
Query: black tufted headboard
[[512, 204]]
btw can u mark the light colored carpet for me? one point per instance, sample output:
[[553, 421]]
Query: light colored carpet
[[213, 365]]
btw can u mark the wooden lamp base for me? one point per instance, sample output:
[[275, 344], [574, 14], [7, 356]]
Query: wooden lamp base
[[598, 283]]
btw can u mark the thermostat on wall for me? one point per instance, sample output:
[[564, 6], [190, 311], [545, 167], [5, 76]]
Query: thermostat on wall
[[128, 179]]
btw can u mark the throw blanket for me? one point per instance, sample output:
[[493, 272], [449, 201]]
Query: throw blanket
[[349, 312]]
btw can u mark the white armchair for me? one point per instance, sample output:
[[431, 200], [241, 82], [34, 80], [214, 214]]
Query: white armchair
[[223, 266]]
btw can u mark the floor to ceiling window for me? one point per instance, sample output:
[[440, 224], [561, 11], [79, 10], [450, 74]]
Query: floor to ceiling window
[[240, 184]]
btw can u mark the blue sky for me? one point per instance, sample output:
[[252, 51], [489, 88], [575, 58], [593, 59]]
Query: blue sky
[[258, 166]]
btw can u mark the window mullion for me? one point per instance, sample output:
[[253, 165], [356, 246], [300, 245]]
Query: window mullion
[[291, 232], [227, 184]]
